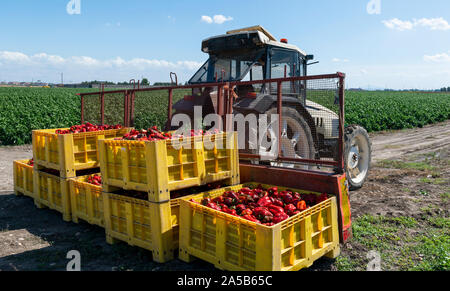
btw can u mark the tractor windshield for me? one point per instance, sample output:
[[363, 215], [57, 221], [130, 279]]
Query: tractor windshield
[[227, 67]]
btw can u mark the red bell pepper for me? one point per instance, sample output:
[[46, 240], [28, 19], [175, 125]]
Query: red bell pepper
[[265, 201], [287, 198], [275, 209], [290, 209], [301, 205], [263, 214], [240, 208], [247, 212], [214, 206], [278, 202], [251, 218], [206, 201], [280, 217]]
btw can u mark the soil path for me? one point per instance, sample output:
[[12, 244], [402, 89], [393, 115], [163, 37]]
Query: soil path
[[391, 145]]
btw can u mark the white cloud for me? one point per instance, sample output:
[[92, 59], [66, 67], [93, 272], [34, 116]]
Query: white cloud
[[438, 58], [431, 23], [337, 60], [207, 19], [398, 24], [14, 57], [218, 19], [19, 66]]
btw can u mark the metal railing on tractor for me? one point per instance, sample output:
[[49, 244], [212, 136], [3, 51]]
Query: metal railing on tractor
[[326, 90]]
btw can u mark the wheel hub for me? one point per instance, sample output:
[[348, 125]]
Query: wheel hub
[[353, 157]]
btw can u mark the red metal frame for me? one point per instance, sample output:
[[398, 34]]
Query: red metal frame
[[225, 106]]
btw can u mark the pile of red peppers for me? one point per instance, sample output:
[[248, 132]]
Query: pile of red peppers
[[263, 206], [95, 180], [151, 134], [154, 134], [87, 127]]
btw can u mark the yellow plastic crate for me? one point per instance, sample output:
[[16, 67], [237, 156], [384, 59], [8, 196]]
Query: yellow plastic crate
[[160, 167], [69, 153], [235, 244], [148, 225], [86, 201], [23, 178], [53, 192]]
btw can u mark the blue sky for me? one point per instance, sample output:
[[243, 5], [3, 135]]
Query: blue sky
[[406, 45]]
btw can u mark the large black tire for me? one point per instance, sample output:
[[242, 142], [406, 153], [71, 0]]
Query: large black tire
[[298, 121], [360, 159]]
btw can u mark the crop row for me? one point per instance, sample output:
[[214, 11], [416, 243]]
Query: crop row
[[25, 109], [377, 111]]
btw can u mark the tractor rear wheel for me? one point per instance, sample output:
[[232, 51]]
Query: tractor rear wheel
[[296, 139], [357, 156]]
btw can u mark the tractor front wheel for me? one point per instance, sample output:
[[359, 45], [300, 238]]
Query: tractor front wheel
[[357, 156]]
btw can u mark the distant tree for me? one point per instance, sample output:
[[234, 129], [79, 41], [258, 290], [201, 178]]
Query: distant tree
[[448, 89], [145, 82], [162, 84]]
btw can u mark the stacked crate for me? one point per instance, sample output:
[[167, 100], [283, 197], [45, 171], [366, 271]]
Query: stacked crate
[[154, 170], [60, 157], [235, 244], [23, 178]]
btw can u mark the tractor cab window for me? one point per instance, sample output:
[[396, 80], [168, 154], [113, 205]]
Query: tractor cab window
[[285, 64], [225, 67], [256, 73]]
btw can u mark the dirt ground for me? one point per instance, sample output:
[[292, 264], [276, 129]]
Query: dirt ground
[[408, 188]]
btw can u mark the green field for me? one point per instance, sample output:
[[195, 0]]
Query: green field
[[25, 109]]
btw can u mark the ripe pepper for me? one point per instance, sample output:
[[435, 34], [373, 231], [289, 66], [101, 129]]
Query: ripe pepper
[[251, 218], [240, 208], [263, 214], [275, 209], [273, 191], [301, 205], [218, 200], [246, 212], [252, 205], [214, 206], [193, 201], [264, 201], [278, 202], [269, 224], [206, 201], [279, 217], [229, 201], [230, 211], [287, 198], [290, 209], [246, 190]]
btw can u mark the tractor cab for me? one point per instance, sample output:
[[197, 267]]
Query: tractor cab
[[252, 54]]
